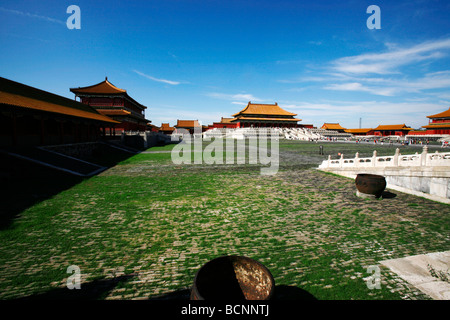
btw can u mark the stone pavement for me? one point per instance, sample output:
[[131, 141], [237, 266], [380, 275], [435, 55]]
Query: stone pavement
[[427, 272], [146, 226]]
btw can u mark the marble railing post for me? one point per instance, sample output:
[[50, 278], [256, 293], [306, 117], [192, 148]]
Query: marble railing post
[[424, 156], [396, 156], [423, 159]]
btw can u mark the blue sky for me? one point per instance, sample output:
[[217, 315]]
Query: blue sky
[[206, 59]]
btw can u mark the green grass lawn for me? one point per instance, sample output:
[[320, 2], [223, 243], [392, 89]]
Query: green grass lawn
[[159, 223]]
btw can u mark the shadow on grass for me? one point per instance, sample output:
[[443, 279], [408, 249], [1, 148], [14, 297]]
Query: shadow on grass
[[99, 289], [388, 195], [26, 183], [281, 293], [95, 290]]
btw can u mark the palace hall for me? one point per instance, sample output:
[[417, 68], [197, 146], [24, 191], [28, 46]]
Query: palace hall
[[264, 115], [115, 103]]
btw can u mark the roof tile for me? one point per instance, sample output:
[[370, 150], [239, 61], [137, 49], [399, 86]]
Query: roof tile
[[264, 109]]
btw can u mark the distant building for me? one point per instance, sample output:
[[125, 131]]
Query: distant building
[[360, 132], [224, 123], [392, 130], [439, 123], [114, 102], [166, 128], [264, 115], [417, 133], [189, 125], [33, 117], [333, 126], [306, 126], [152, 127]]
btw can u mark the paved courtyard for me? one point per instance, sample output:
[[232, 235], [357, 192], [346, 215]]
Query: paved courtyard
[[142, 229]]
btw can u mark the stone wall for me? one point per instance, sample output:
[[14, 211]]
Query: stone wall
[[144, 140], [428, 182], [425, 174]]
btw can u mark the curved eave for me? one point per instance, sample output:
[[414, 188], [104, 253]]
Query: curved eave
[[103, 87], [34, 104], [445, 114], [437, 126], [264, 109], [265, 119]]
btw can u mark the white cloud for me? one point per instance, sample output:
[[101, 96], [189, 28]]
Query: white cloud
[[400, 72], [156, 79], [389, 62], [386, 74], [445, 96], [436, 80], [392, 87], [356, 86], [241, 97], [373, 112], [31, 15]]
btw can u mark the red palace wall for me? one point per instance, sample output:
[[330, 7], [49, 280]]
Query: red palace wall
[[307, 126], [110, 102], [266, 125], [390, 133], [438, 131], [224, 125]]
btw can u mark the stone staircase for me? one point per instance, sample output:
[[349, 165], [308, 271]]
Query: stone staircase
[[55, 160]]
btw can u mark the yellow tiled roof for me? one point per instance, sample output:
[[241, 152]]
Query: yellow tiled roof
[[438, 125], [264, 109], [225, 120], [35, 104], [362, 130], [445, 114], [187, 123], [240, 118], [332, 126], [166, 127], [121, 112], [104, 87], [114, 112], [393, 127]]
